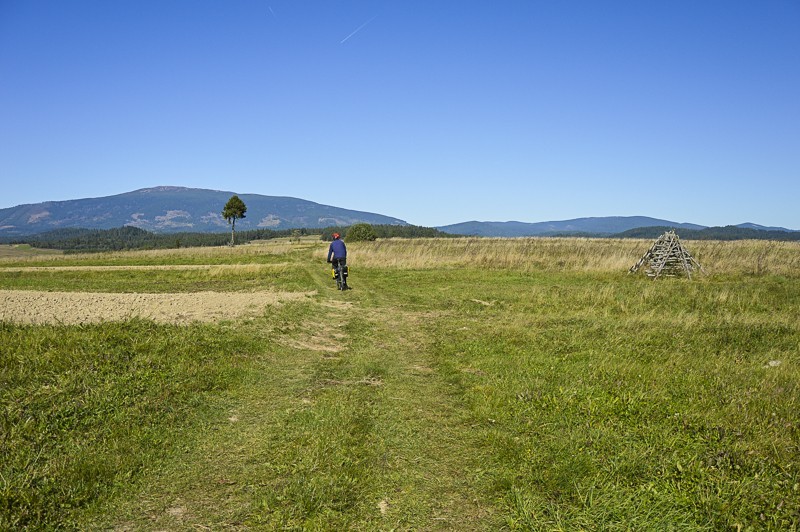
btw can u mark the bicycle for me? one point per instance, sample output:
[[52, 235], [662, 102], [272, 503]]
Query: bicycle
[[340, 273]]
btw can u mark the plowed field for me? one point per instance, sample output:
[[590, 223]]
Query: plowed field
[[27, 306]]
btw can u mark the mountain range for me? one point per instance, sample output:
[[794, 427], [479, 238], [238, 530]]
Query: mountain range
[[607, 225], [167, 209], [178, 209]]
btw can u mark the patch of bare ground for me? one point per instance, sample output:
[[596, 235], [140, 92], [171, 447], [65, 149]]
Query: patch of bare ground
[[33, 307], [336, 304], [312, 343], [421, 370], [325, 338], [368, 381]]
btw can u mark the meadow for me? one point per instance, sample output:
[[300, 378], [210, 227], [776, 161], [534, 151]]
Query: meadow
[[463, 384]]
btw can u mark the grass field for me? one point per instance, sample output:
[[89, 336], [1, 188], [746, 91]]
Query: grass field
[[465, 384], [18, 251]]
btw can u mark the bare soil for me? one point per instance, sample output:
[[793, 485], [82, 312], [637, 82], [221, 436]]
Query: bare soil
[[27, 306]]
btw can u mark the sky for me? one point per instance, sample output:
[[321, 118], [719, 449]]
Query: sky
[[432, 111]]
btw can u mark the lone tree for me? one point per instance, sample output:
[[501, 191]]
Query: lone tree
[[361, 232], [234, 209]]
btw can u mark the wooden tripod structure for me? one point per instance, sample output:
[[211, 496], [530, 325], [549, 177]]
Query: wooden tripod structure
[[668, 257]]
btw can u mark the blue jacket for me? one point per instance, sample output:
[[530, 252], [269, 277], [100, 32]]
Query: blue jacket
[[337, 249]]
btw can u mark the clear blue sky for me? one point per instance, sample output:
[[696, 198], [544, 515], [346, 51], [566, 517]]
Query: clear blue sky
[[432, 111]]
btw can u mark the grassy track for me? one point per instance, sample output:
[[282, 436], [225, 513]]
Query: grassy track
[[444, 393]]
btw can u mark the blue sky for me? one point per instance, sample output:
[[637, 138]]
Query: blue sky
[[435, 112]]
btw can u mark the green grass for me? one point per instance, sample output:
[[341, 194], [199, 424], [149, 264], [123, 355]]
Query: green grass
[[426, 398], [633, 422], [88, 409]]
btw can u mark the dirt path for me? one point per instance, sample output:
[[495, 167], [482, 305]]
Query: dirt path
[[27, 306], [347, 404]]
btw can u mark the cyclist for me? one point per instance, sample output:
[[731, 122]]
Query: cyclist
[[337, 255]]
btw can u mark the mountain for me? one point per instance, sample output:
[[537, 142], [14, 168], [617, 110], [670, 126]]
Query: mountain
[[749, 225], [607, 225], [178, 209]]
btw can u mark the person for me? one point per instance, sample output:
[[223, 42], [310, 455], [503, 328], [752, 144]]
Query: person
[[337, 254]]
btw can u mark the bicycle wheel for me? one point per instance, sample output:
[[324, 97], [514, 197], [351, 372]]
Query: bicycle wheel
[[340, 277]]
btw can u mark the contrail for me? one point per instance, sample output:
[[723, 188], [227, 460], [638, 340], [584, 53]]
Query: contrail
[[358, 29]]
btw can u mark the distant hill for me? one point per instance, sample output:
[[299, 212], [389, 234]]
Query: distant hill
[[730, 232], [178, 209], [602, 226], [757, 227]]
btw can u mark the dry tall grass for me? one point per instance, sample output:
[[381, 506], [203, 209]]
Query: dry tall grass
[[570, 254], [17, 252], [243, 251], [748, 257]]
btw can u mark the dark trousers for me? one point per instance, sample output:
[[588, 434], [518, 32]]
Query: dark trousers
[[337, 263]]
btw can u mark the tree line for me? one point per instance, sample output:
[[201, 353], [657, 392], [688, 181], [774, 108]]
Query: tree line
[[130, 238], [76, 240], [388, 231]]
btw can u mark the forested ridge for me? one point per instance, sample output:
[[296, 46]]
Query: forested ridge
[[729, 232], [128, 238]]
